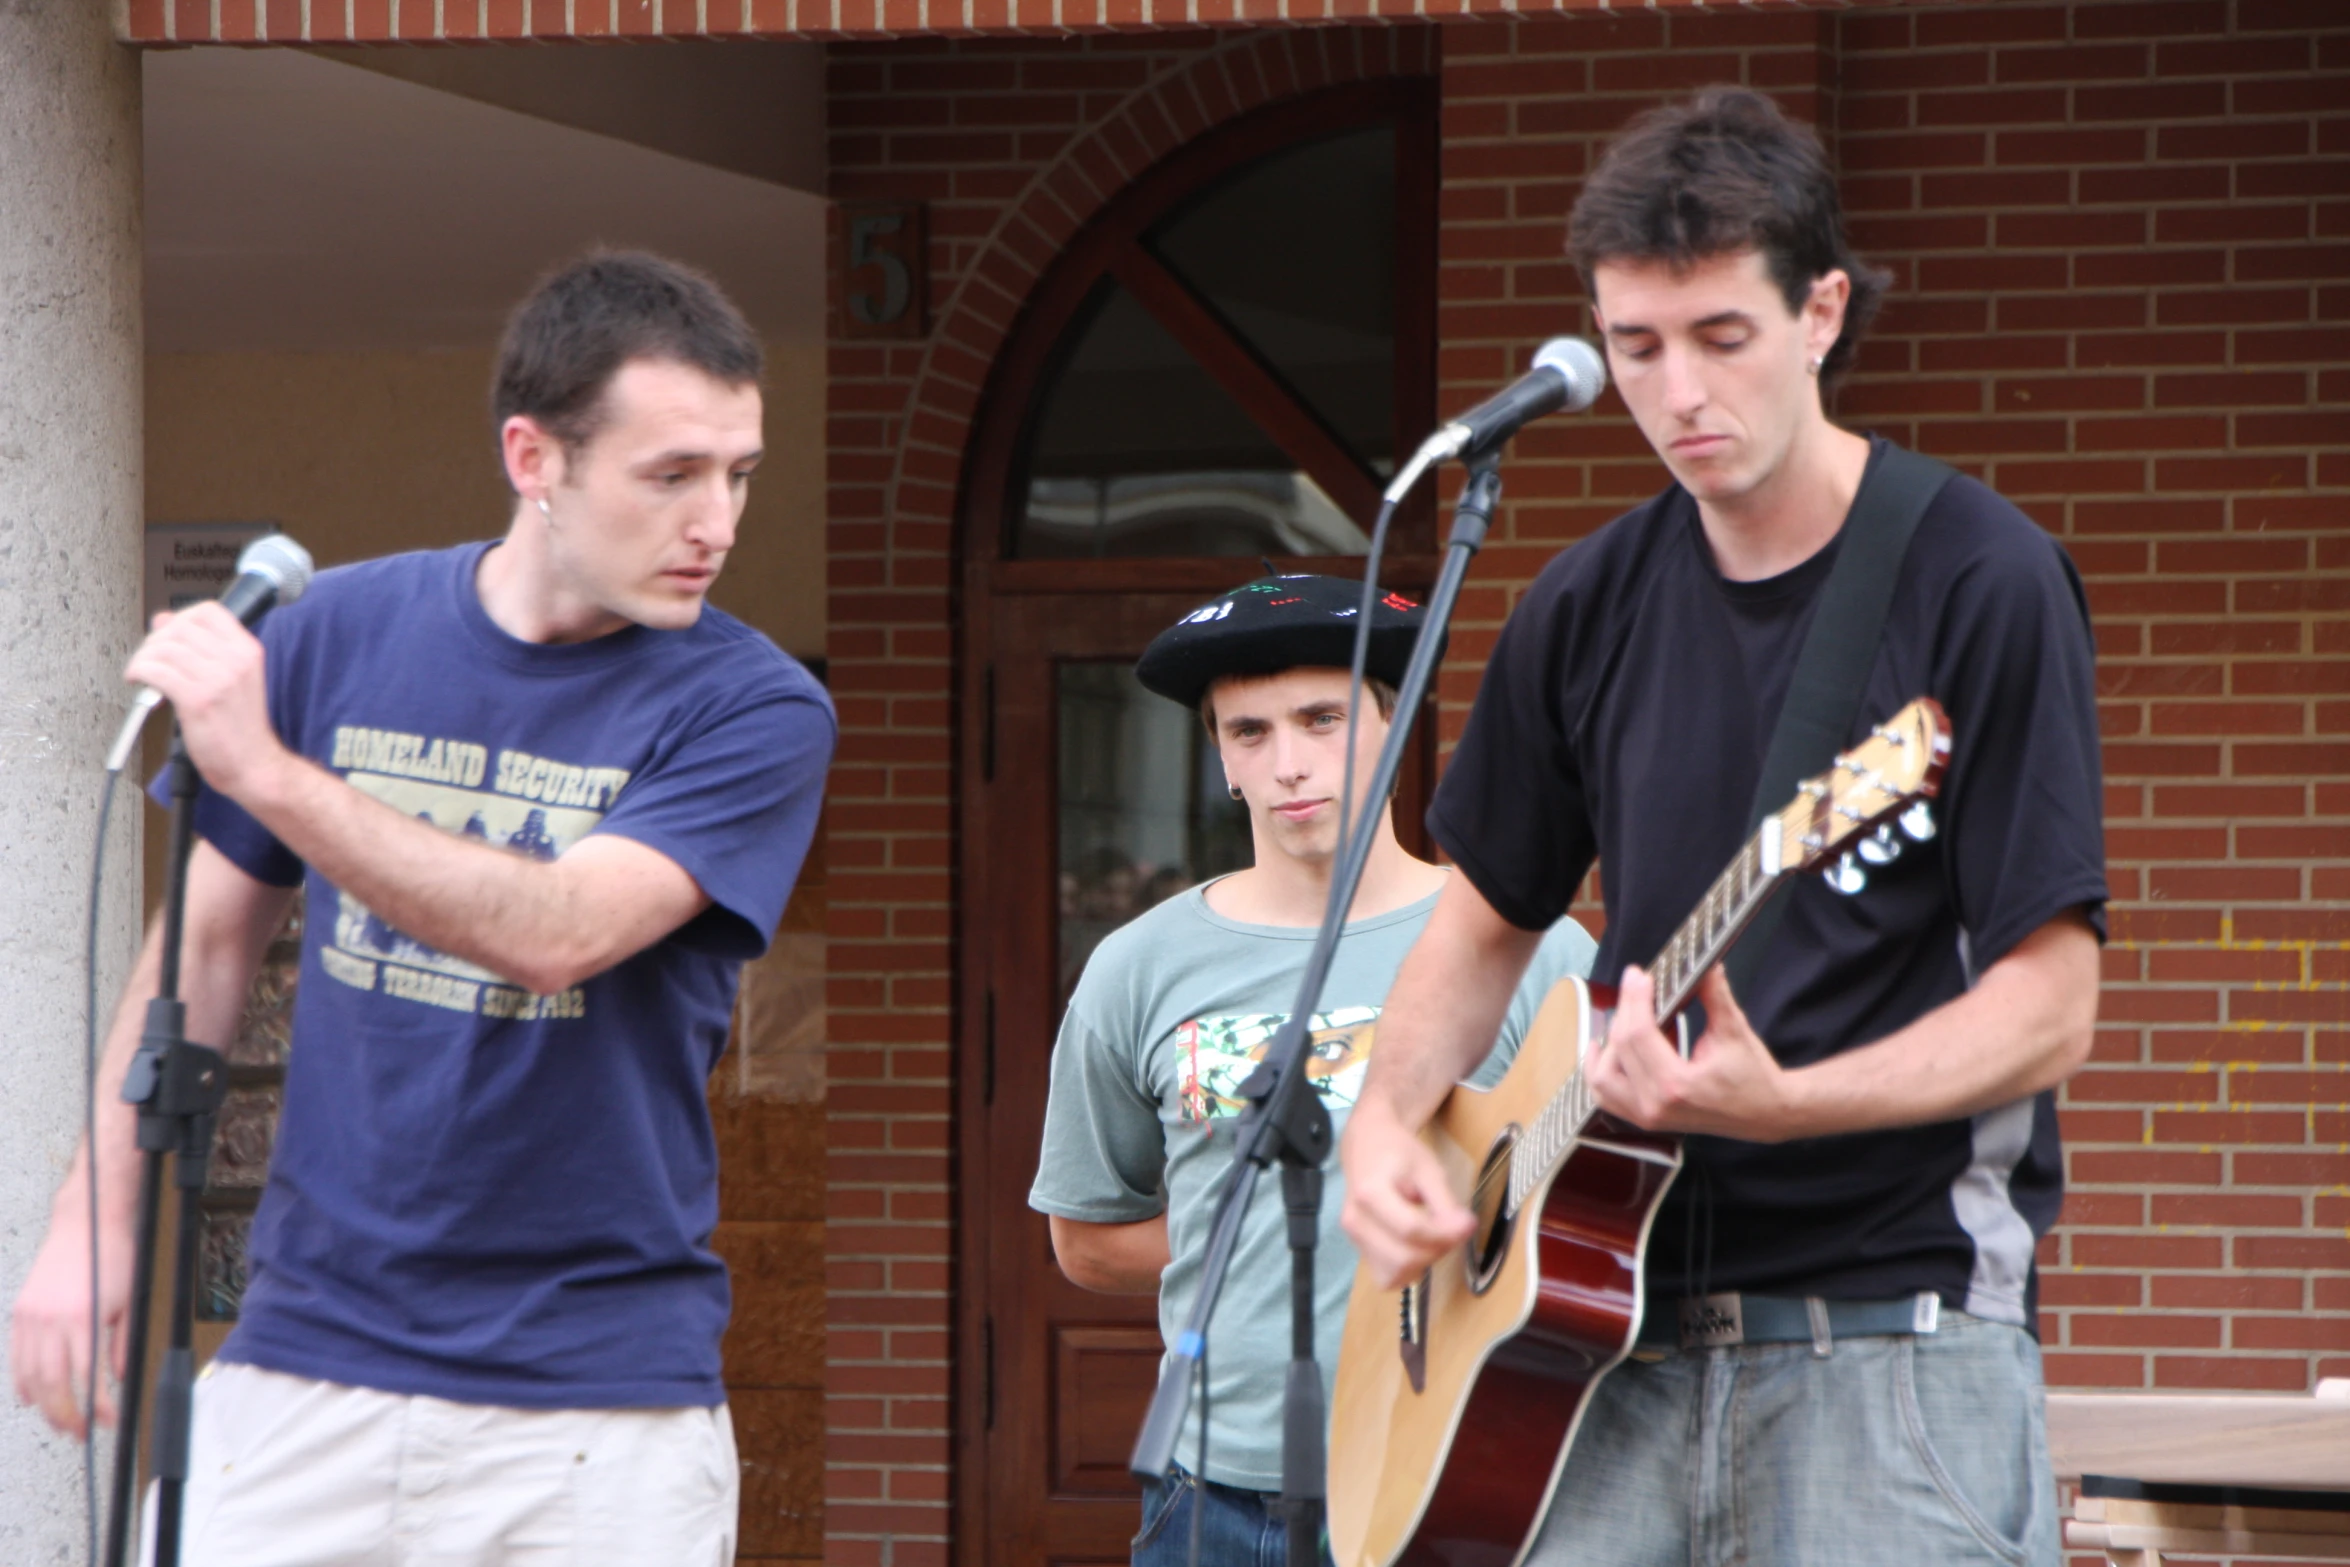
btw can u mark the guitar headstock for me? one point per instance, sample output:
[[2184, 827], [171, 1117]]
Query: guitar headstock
[[1898, 765]]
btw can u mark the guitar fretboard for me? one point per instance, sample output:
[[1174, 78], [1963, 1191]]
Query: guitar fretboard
[[1697, 946], [1707, 933]]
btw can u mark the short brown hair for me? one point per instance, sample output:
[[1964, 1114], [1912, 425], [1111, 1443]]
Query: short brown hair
[[1724, 172], [570, 337], [1383, 696]]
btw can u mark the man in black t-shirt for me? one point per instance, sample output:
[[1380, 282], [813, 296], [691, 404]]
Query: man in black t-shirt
[[1871, 1148]]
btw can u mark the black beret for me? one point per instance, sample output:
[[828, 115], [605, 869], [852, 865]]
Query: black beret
[[1278, 623]]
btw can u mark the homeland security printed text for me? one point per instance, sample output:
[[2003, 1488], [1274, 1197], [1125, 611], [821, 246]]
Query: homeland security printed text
[[465, 764]]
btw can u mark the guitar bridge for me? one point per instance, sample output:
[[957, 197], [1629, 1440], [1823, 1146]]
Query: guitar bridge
[[1413, 1344]]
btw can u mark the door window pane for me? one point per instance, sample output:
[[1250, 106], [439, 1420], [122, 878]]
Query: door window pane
[[1137, 451], [1144, 812], [1131, 448], [1298, 253]]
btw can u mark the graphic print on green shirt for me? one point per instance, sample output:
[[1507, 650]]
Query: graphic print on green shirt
[[1215, 1055]]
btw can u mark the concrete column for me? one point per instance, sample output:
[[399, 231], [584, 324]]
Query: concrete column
[[70, 521]]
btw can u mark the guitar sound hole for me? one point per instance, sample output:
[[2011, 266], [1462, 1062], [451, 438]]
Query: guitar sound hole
[[1489, 1202]]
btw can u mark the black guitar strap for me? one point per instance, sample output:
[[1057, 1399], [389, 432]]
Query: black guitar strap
[[1824, 693]]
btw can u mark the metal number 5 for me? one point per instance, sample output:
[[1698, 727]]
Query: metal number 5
[[897, 282]]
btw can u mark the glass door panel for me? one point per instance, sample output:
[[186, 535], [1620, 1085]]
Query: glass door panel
[[1144, 812]]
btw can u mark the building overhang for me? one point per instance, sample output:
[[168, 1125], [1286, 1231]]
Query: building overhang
[[608, 21]]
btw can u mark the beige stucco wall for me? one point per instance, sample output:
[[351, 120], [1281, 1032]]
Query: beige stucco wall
[[365, 454], [70, 253]]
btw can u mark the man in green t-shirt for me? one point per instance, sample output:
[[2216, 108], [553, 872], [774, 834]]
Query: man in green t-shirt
[[1175, 1008]]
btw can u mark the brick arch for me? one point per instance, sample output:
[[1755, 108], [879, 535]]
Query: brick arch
[[1254, 71]]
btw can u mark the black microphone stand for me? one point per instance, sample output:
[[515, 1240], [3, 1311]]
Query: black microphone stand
[[1286, 1122], [178, 1088]]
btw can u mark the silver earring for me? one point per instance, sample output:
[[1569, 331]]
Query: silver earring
[[1814, 367], [546, 511], [1235, 788]]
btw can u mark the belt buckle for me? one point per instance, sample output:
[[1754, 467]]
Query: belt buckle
[[1712, 1321]]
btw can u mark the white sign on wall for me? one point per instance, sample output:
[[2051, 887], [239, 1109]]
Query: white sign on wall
[[188, 561]]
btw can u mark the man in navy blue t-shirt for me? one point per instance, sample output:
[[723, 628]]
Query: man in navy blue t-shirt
[[1838, 1347], [543, 803]]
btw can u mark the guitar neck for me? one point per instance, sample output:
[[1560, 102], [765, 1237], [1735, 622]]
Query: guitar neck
[[1900, 763], [1727, 908]]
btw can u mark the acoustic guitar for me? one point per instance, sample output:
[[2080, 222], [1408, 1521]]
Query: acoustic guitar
[[1458, 1396]]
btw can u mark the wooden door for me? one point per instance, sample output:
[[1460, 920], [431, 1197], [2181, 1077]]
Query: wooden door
[[1063, 1374], [1072, 1369], [1217, 368]]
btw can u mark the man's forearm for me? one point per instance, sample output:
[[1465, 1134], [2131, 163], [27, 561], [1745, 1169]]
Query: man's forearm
[[2025, 1026], [1115, 1259], [1446, 1006], [115, 1151], [217, 963], [542, 924]]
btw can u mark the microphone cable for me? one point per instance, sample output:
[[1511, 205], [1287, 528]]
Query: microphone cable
[[1581, 376], [1354, 686], [90, 1032], [1199, 1476]]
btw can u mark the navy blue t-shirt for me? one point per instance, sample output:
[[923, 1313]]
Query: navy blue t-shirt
[[1624, 717], [477, 1193]]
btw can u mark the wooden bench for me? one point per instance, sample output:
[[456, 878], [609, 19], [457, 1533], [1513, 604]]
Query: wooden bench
[[2206, 1474]]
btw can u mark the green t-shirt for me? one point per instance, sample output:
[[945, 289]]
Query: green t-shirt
[[1171, 1014]]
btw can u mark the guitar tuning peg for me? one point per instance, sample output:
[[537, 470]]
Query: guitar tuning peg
[[1881, 847], [1918, 822], [1845, 875]]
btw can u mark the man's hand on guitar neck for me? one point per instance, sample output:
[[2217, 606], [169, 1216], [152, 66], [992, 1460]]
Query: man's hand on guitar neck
[[1729, 1086], [2025, 1025]]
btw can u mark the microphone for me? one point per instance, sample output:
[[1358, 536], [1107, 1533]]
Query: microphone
[[1568, 373], [273, 570]]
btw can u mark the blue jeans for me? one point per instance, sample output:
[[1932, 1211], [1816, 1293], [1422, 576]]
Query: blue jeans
[[1237, 1528], [1929, 1450]]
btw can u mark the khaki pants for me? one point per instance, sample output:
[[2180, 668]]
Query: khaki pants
[[290, 1472]]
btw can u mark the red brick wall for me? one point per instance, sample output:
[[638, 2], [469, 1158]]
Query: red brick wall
[[2122, 239], [2124, 234]]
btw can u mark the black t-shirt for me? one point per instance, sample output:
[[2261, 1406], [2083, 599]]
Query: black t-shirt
[[1624, 717]]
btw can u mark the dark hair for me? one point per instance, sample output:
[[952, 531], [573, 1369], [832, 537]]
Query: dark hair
[[566, 342], [1723, 172]]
